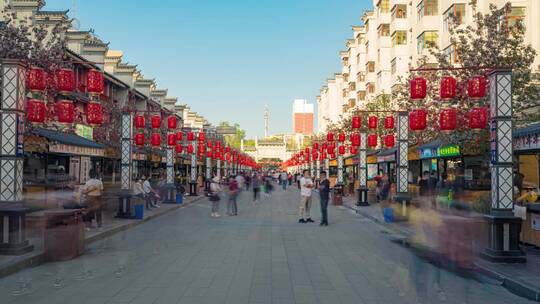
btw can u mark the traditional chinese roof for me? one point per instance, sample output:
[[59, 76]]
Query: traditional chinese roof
[[68, 138]]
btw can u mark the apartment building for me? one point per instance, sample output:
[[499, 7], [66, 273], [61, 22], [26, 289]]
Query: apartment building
[[394, 35]]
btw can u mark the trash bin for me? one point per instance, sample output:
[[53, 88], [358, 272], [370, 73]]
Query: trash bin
[[388, 214], [139, 211], [63, 235], [179, 198]]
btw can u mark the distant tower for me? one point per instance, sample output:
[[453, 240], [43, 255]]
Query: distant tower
[[266, 116]]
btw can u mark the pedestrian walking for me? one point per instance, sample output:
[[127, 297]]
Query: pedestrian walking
[[283, 179], [256, 187], [232, 207], [423, 184], [289, 178], [93, 189], [324, 195], [306, 185], [138, 190], [215, 188]]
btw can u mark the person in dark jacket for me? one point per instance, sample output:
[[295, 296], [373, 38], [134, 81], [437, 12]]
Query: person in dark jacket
[[324, 195]]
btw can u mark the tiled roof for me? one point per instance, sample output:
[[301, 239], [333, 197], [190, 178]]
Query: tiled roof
[[68, 138]]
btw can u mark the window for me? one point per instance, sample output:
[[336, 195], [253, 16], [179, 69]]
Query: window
[[384, 6], [393, 66], [352, 86], [361, 95], [454, 16], [427, 8], [399, 12], [426, 40], [371, 88], [399, 38], [452, 54], [361, 77], [384, 30], [515, 15], [370, 66]]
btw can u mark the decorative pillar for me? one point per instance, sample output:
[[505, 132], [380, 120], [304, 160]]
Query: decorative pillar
[[504, 227], [12, 213], [208, 173], [318, 172], [193, 171], [339, 165], [226, 167], [218, 167], [362, 172], [327, 166], [402, 166], [311, 167], [170, 189], [124, 199]]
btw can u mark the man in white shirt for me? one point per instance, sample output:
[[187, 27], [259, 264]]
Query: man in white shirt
[[94, 190], [283, 180], [306, 185], [149, 194]]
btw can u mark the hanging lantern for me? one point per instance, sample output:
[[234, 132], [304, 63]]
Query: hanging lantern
[[330, 137], [94, 113], [139, 122], [341, 137], [65, 81], [330, 149], [94, 82], [448, 119], [155, 139], [179, 148], [315, 155], [139, 139], [332, 156], [171, 122], [155, 121], [372, 122], [448, 88], [171, 139], [315, 146], [477, 87], [202, 136], [323, 156], [389, 140], [209, 154], [417, 119], [65, 111], [355, 139], [307, 150], [372, 140], [227, 149], [209, 144], [478, 118], [354, 150], [179, 136], [35, 111], [389, 122], [356, 122], [341, 150], [190, 136], [418, 88], [189, 149], [36, 80]]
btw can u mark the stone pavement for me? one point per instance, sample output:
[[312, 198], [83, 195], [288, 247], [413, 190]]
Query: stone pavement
[[261, 256]]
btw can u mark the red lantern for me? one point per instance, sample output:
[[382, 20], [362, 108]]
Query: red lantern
[[65, 80], [94, 113], [372, 140], [139, 139], [341, 137], [323, 156], [333, 155], [315, 146], [202, 136], [476, 87], [35, 111], [94, 82], [155, 139], [355, 139], [36, 80], [354, 150], [341, 150], [171, 139], [179, 148], [448, 88], [209, 144], [139, 122], [417, 119], [171, 122], [418, 88], [448, 119], [372, 122], [330, 149], [190, 136], [179, 136], [228, 149], [189, 148], [315, 155], [65, 111], [155, 121], [307, 150], [389, 122], [209, 154], [330, 137], [389, 141], [356, 122], [478, 118]]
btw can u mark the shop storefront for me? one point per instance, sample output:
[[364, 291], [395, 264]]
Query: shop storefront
[[527, 149], [386, 163]]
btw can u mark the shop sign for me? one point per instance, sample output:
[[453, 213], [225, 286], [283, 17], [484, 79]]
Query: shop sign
[[529, 142], [447, 151], [75, 150], [428, 153], [19, 150], [535, 221], [386, 158], [84, 131]]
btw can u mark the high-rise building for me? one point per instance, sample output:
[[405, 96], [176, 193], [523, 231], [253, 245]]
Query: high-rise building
[[302, 117]]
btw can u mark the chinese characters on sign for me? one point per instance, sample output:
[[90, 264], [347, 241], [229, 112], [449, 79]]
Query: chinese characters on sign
[[528, 142]]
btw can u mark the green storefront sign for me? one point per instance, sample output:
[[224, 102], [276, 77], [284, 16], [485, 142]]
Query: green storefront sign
[[84, 131], [448, 151]]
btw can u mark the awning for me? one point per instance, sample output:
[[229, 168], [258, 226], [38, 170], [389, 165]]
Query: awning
[[68, 138], [387, 152], [431, 145], [528, 130]]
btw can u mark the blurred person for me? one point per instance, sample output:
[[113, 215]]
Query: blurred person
[[289, 178], [518, 181], [384, 188], [215, 189], [138, 190], [306, 185], [232, 207], [149, 194], [93, 189], [324, 195], [256, 187], [240, 180], [423, 187], [283, 177]]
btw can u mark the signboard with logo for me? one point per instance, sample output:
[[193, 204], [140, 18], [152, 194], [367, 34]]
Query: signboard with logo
[[493, 141], [75, 150], [444, 151], [84, 131], [528, 142], [19, 151]]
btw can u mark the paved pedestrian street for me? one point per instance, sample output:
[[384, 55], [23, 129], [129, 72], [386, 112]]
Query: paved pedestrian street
[[261, 256]]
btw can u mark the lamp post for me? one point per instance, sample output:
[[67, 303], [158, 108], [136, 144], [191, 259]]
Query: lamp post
[[193, 169], [124, 203], [402, 170], [362, 171]]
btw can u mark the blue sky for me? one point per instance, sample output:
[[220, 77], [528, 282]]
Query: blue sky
[[228, 58]]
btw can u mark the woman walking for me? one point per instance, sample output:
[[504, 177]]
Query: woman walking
[[215, 188]]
